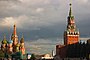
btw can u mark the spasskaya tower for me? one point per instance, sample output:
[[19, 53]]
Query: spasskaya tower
[[71, 34]]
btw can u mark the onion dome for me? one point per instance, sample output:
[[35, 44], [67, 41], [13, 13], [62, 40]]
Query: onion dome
[[10, 41], [22, 40], [4, 40]]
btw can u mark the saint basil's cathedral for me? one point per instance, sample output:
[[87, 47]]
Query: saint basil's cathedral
[[13, 46]]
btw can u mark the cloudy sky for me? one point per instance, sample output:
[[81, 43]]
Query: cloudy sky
[[38, 19]]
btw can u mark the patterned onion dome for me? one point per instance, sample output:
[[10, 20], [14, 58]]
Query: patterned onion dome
[[4, 40], [10, 41], [22, 40]]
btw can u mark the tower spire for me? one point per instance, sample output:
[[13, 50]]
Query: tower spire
[[14, 32], [70, 12], [14, 36]]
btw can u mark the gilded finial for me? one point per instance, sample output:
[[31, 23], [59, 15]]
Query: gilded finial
[[70, 4]]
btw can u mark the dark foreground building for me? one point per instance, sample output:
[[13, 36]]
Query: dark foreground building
[[77, 50]]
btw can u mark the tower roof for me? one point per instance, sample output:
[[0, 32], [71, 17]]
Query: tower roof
[[70, 12], [70, 17], [10, 41]]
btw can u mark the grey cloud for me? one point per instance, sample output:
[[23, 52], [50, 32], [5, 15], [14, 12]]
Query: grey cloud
[[44, 16]]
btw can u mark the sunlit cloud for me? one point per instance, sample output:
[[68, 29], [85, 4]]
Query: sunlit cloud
[[39, 10], [8, 21]]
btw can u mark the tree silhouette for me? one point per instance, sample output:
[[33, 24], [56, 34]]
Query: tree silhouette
[[32, 57]]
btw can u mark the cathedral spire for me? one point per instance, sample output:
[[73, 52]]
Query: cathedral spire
[[14, 32], [14, 36], [70, 12]]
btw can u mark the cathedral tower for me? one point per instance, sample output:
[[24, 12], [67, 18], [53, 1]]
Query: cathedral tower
[[10, 46], [14, 36], [4, 44], [22, 46], [71, 34]]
